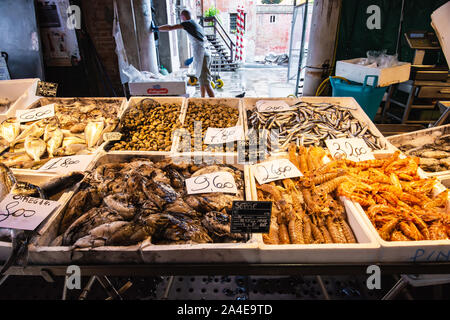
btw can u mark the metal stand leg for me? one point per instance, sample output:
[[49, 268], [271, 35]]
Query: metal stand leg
[[396, 289], [322, 287], [169, 286], [387, 105], [64, 293], [87, 288], [124, 288], [3, 279], [109, 288], [409, 104]]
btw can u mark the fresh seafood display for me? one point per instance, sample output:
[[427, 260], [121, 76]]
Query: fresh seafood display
[[126, 203], [5, 103], [149, 126], [209, 115], [397, 201], [307, 210], [311, 124], [76, 128], [433, 151]]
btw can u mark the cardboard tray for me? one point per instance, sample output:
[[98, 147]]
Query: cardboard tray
[[21, 91], [365, 251], [132, 102], [406, 251], [41, 253], [230, 102], [358, 113], [37, 179], [421, 137]]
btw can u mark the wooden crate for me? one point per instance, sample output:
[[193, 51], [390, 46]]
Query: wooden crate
[[40, 251]]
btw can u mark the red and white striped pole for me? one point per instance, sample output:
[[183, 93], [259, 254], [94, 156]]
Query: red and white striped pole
[[239, 34]]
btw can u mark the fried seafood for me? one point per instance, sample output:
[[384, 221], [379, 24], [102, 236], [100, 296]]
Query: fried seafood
[[127, 203], [149, 126], [399, 203], [306, 210]]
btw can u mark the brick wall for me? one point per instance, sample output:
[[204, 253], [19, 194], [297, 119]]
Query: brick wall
[[273, 36], [99, 15]]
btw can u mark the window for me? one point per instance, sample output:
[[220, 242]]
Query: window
[[233, 19], [272, 19]]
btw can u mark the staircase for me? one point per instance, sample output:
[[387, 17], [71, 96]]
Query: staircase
[[221, 45]]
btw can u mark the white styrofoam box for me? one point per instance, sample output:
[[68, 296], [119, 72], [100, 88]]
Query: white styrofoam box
[[21, 91], [364, 251], [40, 251], [158, 88], [350, 70], [37, 179], [441, 24], [407, 251]]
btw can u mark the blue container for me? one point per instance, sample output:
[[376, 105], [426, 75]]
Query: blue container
[[368, 97]]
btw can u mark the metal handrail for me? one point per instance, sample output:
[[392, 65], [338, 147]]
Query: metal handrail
[[230, 44]]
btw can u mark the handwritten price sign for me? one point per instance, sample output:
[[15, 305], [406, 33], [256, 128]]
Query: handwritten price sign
[[24, 213], [112, 136], [36, 114], [67, 164], [223, 135], [354, 149], [272, 106], [212, 182], [273, 170]]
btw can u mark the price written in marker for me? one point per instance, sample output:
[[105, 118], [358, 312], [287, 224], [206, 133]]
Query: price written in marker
[[354, 149], [112, 136], [24, 213], [273, 170], [212, 182], [272, 106], [223, 135], [36, 114], [67, 164]]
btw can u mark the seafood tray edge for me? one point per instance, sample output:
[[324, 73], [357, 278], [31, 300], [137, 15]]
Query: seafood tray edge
[[366, 250], [406, 251], [230, 102], [5, 246], [405, 137], [41, 253], [24, 100]]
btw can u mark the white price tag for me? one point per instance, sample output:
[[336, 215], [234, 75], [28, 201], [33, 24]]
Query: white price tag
[[212, 182], [24, 213], [354, 149], [36, 114], [112, 136], [273, 106], [273, 170], [223, 135], [67, 164]]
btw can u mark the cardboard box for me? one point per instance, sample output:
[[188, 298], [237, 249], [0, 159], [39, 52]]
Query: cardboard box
[[158, 88], [350, 70]]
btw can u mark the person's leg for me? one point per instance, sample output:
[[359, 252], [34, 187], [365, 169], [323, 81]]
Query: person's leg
[[202, 90], [210, 90]]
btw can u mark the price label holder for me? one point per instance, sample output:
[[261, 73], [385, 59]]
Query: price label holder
[[212, 182], [223, 135], [24, 213], [251, 216], [354, 149], [47, 111], [46, 89], [68, 164], [112, 136], [273, 170], [273, 106]]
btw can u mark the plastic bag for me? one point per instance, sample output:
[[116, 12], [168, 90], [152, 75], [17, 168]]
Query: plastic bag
[[380, 59]]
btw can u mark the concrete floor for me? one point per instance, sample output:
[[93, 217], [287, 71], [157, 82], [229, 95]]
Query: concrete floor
[[254, 81]]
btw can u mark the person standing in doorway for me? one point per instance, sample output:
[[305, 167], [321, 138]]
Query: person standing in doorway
[[202, 57]]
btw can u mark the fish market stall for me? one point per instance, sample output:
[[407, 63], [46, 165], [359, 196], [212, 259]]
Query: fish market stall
[[135, 209], [57, 127], [431, 145]]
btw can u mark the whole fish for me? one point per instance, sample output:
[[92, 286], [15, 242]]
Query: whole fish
[[10, 129], [35, 147], [93, 132], [53, 136], [35, 130], [72, 140]]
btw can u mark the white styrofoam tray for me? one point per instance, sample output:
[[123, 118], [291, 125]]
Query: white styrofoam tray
[[21, 91], [41, 253]]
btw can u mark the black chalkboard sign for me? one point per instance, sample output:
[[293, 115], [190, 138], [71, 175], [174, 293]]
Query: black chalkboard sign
[[251, 216]]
